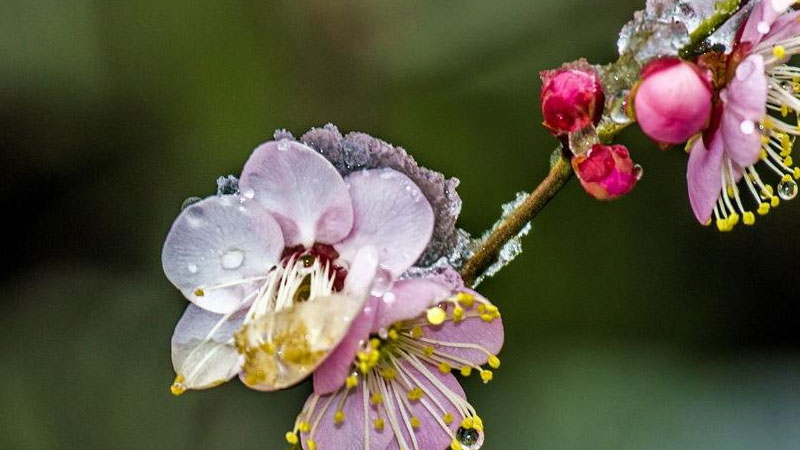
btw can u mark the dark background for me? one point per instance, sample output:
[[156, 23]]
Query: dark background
[[629, 326]]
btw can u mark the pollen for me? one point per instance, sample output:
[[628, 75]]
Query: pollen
[[494, 362], [466, 371], [415, 394], [416, 332], [351, 381], [467, 423], [779, 51], [389, 373], [444, 367], [304, 427], [199, 292], [763, 209], [486, 376], [436, 315], [467, 300], [477, 423], [393, 334], [378, 424], [415, 423], [428, 350], [455, 445], [311, 444], [796, 173], [458, 314], [338, 417], [774, 201], [376, 399], [291, 438], [448, 418], [749, 218], [177, 388]]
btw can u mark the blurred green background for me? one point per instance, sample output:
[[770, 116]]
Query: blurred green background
[[628, 325]]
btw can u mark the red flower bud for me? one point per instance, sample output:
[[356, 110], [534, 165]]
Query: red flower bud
[[572, 98], [606, 172]]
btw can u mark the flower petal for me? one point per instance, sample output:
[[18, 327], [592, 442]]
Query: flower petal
[[203, 353], [787, 26], [302, 190], [408, 299], [332, 373], [220, 241], [391, 214], [704, 177], [745, 107], [761, 19]]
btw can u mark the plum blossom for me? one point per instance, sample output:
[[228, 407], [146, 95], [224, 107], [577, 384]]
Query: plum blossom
[[277, 273], [758, 90], [393, 387]]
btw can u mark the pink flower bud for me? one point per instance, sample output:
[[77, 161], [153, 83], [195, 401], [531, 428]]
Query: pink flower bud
[[673, 100], [572, 98], [606, 171]]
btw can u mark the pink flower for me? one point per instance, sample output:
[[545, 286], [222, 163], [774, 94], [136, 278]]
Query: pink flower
[[572, 98], [278, 273], [606, 172], [673, 100], [390, 386], [721, 173]]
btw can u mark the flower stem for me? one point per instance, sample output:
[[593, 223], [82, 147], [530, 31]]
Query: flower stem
[[723, 10], [560, 173]]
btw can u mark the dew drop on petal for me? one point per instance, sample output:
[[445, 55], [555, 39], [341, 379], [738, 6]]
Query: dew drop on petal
[[382, 282], [747, 127], [468, 438], [232, 259], [638, 171], [787, 189], [389, 297], [249, 193], [283, 145], [189, 202], [763, 27], [191, 267]]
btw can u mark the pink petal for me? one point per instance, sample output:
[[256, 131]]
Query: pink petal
[[391, 214], [787, 26], [216, 241], [302, 190], [201, 350], [762, 18], [703, 177], [745, 103], [331, 374], [408, 299], [351, 433]]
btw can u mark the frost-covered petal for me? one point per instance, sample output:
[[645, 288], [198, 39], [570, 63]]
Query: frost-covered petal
[[391, 214], [332, 373], [220, 241], [704, 177], [203, 353], [302, 190], [408, 299]]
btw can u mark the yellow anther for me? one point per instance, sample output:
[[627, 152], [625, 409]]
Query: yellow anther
[[487, 317], [177, 388], [304, 427], [414, 422], [375, 343], [444, 367], [477, 423], [378, 424], [767, 123], [466, 371], [749, 218], [311, 444], [416, 332], [774, 201], [448, 418], [494, 362], [436, 315], [763, 209], [768, 189], [786, 178], [729, 190], [338, 417], [455, 445], [376, 399], [458, 314], [784, 110], [788, 161], [389, 373], [199, 292], [393, 334], [467, 423], [351, 381], [467, 300], [428, 350], [779, 51], [481, 308], [733, 219], [415, 394], [797, 173], [291, 438], [486, 375]]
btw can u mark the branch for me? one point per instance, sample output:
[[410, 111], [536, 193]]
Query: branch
[[723, 11]]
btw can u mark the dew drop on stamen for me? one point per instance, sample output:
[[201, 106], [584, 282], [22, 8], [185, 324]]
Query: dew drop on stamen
[[468, 438], [232, 259], [747, 127], [787, 189], [191, 267]]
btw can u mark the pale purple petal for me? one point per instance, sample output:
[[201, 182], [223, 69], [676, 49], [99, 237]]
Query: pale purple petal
[[704, 177], [745, 103], [762, 19], [787, 26], [391, 214], [203, 353], [408, 299], [220, 240], [301, 189]]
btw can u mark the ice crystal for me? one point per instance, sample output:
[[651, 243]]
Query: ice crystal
[[510, 249], [227, 185]]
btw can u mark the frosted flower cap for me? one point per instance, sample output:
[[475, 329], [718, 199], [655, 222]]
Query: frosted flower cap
[[606, 172], [572, 98], [672, 102], [278, 273]]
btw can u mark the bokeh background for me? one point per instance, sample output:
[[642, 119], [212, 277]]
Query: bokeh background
[[628, 325]]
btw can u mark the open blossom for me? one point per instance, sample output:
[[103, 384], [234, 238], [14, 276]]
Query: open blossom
[[278, 273], [394, 389], [606, 172], [572, 98], [722, 173], [672, 101]]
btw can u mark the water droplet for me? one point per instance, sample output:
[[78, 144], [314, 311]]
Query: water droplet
[[191, 267], [232, 259], [581, 141], [189, 202], [638, 171], [619, 111], [747, 127], [249, 193], [763, 27], [468, 438], [283, 145], [227, 185], [389, 297], [787, 189], [382, 283]]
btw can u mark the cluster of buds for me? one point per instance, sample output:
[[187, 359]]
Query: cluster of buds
[[572, 105]]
